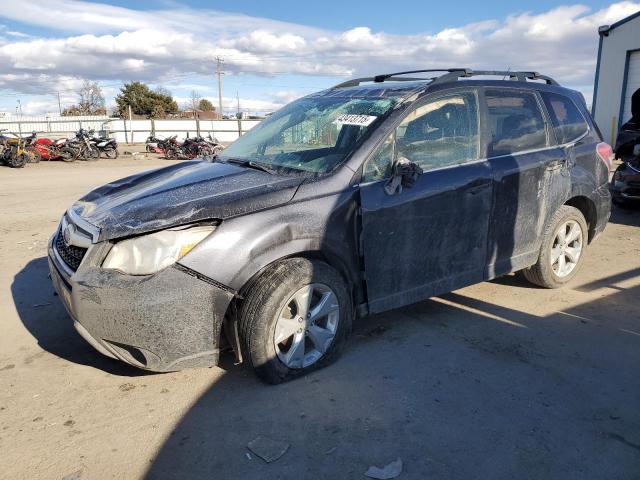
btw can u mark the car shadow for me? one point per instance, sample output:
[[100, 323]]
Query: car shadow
[[44, 316], [455, 386]]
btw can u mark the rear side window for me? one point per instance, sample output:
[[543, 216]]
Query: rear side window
[[568, 122], [515, 121]]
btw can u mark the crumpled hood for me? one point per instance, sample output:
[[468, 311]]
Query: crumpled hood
[[180, 194]]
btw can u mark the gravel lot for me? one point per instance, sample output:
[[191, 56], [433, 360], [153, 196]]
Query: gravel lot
[[500, 380]]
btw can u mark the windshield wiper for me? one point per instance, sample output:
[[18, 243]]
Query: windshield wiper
[[251, 164]]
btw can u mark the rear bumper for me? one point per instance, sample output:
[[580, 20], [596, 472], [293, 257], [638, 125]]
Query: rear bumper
[[602, 200], [163, 322]]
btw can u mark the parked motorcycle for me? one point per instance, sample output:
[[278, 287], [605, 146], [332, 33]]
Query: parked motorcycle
[[151, 145], [189, 149], [17, 151], [82, 147], [55, 149], [108, 147]]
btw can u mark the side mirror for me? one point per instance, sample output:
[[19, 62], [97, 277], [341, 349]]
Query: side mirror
[[636, 150], [404, 174]]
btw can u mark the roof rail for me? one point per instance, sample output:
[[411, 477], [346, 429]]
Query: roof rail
[[515, 76], [451, 75], [381, 78]]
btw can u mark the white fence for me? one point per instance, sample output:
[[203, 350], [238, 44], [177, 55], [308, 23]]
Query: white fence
[[126, 131], [137, 131], [56, 126]]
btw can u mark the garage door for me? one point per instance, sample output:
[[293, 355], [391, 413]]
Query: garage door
[[633, 83]]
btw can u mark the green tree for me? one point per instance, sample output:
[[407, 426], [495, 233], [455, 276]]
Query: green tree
[[144, 101], [206, 106]]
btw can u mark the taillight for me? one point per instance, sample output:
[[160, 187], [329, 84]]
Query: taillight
[[605, 152]]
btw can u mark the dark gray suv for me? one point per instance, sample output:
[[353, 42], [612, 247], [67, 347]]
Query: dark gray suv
[[365, 197]]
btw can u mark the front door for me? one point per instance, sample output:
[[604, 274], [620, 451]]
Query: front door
[[432, 237]]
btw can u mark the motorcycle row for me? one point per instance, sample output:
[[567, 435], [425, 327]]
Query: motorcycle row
[[16, 151], [190, 148]]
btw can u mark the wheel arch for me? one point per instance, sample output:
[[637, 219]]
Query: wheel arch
[[294, 249], [587, 207]]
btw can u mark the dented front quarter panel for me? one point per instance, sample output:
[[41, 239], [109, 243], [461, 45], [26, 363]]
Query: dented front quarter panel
[[321, 218]]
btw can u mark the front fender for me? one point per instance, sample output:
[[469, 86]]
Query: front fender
[[243, 246]]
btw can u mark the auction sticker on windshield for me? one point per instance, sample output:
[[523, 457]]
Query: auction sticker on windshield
[[351, 119]]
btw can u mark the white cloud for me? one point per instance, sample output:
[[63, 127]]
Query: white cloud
[[110, 44]]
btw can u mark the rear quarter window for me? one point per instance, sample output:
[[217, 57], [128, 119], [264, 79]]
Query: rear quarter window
[[568, 122], [516, 123]]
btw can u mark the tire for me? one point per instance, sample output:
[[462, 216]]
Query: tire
[[111, 153], [546, 272], [92, 153], [33, 154], [268, 298], [68, 154], [170, 154], [17, 160]]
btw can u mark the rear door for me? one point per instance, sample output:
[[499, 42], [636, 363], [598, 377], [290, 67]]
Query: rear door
[[526, 170], [432, 237]]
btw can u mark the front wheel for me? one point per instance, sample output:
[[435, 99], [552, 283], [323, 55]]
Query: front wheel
[[295, 318], [563, 248], [34, 155], [92, 153], [17, 160]]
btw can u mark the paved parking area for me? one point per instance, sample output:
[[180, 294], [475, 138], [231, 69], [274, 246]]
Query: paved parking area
[[500, 380]]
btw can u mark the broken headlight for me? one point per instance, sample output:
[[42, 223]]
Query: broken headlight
[[151, 253]]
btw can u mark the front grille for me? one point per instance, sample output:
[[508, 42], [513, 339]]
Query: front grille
[[70, 254], [633, 192]]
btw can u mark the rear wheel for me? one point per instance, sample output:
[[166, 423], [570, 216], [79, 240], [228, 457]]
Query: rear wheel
[[68, 154], [562, 252], [170, 153], [295, 318], [111, 153]]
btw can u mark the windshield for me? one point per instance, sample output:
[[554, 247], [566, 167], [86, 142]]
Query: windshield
[[310, 134]]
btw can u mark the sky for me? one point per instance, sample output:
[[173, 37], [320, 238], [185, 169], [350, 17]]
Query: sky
[[276, 51]]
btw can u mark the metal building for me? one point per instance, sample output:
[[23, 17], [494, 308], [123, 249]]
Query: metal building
[[617, 74]]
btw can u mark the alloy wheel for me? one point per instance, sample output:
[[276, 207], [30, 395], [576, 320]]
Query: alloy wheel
[[567, 248], [306, 326]]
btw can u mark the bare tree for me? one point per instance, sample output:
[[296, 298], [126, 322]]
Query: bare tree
[[90, 101], [193, 103]]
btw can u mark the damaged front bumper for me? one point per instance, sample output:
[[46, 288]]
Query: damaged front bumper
[[163, 322]]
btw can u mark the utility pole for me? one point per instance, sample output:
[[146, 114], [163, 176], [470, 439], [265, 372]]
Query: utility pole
[[219, 73], [238, 102], [59, 105]]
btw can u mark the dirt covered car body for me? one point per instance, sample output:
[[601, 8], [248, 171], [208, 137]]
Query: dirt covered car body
[[358, 199]]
